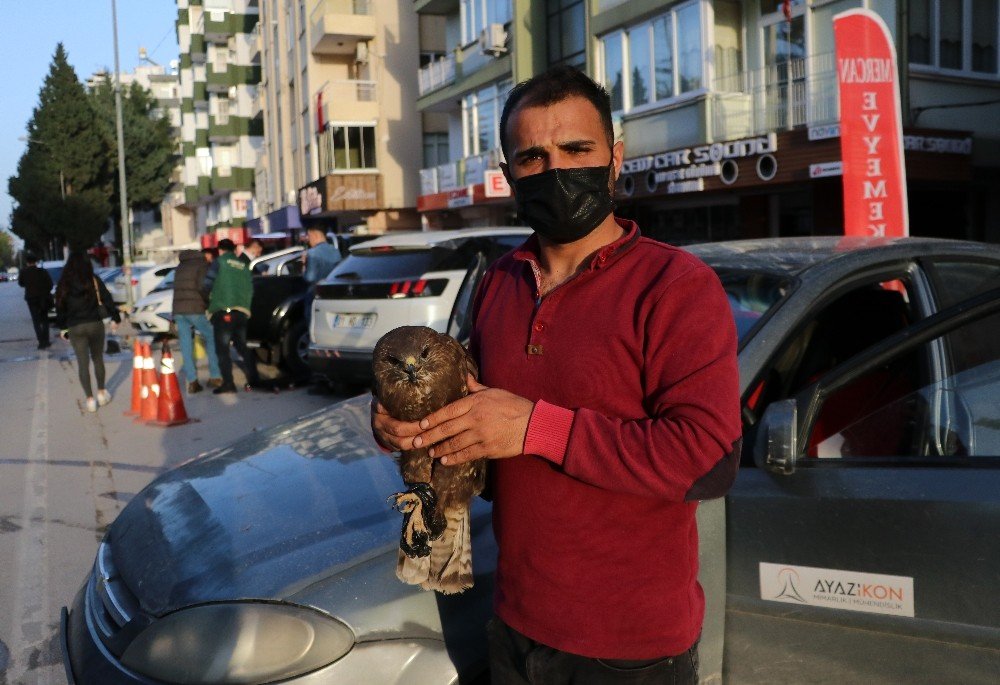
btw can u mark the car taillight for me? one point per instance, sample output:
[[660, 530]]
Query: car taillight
[[393, 290], [135, 281]]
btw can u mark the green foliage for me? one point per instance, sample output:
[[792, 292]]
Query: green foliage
[[150, 149], [66, 187], [64, 158], [7, 250]]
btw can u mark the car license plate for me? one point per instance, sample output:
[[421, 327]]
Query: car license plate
[[354, 320]]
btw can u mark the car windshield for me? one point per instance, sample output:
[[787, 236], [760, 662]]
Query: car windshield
[[167, 283], [751, 294]]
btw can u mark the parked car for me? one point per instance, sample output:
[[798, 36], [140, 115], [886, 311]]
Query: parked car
[[145, 277], [154, 313], [395, 280], [277, 328], [858, 543]]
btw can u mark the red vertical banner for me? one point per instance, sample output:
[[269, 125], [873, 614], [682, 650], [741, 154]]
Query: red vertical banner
[[320, 124], [871, 129]]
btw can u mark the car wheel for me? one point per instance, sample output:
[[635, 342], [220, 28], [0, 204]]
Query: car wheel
[[295, 349]]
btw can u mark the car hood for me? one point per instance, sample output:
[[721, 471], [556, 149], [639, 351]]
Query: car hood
[[265, 518]]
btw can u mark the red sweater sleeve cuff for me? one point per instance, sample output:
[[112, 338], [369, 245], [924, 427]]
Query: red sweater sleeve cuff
[[548, 431]]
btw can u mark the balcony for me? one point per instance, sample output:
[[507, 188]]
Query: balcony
[[350, 99], [257, 102], [338, 25], [800, 92], [255, 42], [437, 74], [456, 175], [436, 6]]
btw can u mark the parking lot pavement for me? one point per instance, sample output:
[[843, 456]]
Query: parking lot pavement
[[65, 474]]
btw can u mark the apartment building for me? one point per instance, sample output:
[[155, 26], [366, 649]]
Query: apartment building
[[728, 110], [220, 136], [336, 100]]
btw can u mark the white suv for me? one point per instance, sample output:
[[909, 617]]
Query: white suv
[[404, 279]]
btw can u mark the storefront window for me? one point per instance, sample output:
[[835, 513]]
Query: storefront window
[[566, 34], [920, 32], [985, 22], [689, 58], [641, 65], [663, 51]]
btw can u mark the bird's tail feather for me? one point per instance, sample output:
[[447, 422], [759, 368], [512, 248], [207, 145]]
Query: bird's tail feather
[[450, 569], [413, 570]]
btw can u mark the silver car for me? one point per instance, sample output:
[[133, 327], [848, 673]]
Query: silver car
[[858, 544]]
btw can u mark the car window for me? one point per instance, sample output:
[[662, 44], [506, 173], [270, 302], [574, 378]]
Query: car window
[[751, 295], [292, 267], [900, 410], [955, 281], [853, 321], [388, 263], [167, 283]]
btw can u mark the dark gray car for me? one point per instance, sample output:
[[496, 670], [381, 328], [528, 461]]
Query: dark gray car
[[859, 543]]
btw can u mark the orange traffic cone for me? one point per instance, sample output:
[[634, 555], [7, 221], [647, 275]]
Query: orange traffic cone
[[170, 409], [136, 407], [150, 387]]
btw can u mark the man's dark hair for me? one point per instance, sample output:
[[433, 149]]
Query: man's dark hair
[[226, 245], [30, 258], [552, 86]]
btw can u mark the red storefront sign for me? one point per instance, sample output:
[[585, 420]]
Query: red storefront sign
[[871, 145]]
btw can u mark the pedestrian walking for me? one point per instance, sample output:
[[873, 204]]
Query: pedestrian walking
[[82, 304], [37, 286], [230, 287], [189, 307], [605, 430]]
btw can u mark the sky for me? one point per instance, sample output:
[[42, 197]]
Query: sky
[[29, 32]]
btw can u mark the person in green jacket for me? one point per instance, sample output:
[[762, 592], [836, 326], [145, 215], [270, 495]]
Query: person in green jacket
[[229, 284]]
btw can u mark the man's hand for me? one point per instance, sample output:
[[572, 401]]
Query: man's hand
[[488, 422], [114, 327], [390, 433]]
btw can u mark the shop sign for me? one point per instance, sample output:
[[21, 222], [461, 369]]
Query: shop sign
[[825, 169], [311, 198], [941, 145], [871, 144], [684, 170], [447, 177], [459, 198], [824, 132], [495, 184]]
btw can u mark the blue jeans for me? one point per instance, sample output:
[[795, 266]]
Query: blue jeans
[[198, 322]]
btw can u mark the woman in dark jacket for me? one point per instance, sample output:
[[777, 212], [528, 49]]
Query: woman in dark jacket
[[78, 316]]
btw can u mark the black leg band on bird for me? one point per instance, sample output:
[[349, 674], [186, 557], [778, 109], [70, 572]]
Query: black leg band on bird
[[418, 530]]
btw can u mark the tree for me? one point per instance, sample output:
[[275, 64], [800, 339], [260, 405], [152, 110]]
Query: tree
[[150, 148], [7, 250], [60, 188]]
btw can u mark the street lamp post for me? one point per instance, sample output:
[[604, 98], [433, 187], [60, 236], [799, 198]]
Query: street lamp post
[[123, 202]]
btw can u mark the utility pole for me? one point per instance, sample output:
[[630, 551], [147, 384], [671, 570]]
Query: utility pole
[[122, 196]]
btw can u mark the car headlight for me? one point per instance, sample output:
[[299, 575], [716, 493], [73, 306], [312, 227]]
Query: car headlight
[[237, 643]]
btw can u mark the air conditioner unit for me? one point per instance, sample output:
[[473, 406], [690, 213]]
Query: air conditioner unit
[[361, 53], [493, 40]]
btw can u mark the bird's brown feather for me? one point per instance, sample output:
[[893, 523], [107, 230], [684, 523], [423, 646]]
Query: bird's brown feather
[[418, 371]]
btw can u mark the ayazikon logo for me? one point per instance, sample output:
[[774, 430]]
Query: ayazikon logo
[[836, 589]]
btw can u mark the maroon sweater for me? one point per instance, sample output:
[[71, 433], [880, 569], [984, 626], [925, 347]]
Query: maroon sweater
[[632, 368]]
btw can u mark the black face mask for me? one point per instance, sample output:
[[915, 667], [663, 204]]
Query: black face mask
[[564, 205]]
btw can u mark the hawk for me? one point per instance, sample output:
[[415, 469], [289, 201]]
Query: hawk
[[416, 372]]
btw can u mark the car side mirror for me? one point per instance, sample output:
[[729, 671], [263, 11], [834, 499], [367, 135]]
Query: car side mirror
[[780, 454]]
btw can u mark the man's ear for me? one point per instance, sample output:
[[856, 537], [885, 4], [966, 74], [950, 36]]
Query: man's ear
[[618, 156], [506, 174]]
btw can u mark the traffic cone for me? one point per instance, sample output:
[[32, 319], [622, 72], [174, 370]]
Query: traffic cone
[[136, 407], [150, 387], [170, 408]]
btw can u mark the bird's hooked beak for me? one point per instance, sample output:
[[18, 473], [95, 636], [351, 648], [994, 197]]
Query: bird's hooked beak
[[411, 368]]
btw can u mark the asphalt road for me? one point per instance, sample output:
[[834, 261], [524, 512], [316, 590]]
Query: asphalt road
[[65, 474]]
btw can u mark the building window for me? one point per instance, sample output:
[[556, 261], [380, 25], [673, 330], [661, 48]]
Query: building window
[[478, 14], [662, 59], [345, 147], [222, 115], [955, 35], [435, 149], [481, 118], [566, 32]]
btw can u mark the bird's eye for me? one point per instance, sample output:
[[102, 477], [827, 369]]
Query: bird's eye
[[423, 353], [395, 361]]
